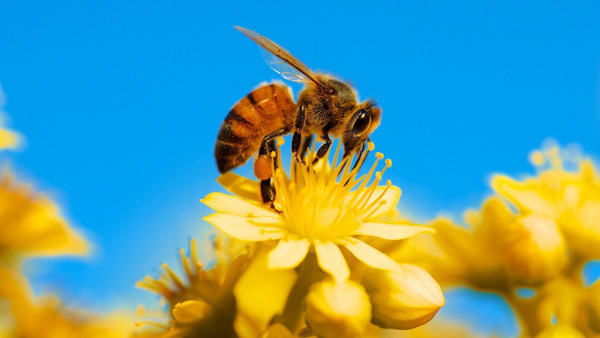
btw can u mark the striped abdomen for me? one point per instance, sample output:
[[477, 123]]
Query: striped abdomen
[[263, 111]]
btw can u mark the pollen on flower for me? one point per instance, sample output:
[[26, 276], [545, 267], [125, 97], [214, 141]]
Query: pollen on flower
[[322, 205]]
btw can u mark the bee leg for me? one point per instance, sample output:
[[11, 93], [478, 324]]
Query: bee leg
[[323, 148], [297, 138], [262, 165], [267, 193], [360, 154]]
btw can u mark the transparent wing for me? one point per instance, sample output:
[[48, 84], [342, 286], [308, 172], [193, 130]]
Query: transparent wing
[[288, 72], [280, 60]]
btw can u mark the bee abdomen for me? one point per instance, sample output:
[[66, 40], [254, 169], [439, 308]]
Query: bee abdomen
[[259, 113]]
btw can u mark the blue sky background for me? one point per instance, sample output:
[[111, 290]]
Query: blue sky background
[[121, 102]]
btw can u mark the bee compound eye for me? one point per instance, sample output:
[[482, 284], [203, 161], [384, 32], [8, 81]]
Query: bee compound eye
[[362, 121]]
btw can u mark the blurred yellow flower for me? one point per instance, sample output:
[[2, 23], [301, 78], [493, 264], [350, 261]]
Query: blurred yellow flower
[[30, 224], [205, 305], [8, 139], [47, 318], [318, 210], [567, 190]]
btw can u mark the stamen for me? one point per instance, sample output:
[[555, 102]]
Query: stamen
[[186, 264], [194, 255], [174, 278], [370, 191], [388, 185], [358, 192]]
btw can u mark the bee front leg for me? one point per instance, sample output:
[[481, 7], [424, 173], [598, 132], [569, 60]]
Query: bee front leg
[[323, 148], [297, 138]]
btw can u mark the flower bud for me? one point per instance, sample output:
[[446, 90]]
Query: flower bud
[[403, 300], [191, 311], [339, 309], [534, 249]]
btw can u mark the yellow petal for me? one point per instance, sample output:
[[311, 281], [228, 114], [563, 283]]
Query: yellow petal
[[331, 260], [370, 256], [391, 231], [248, 229], [524, 196], [239, 185], [236, 206], [260, 294], [288, 253]]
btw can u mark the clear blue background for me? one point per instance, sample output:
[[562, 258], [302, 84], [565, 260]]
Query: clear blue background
[[121, 102]]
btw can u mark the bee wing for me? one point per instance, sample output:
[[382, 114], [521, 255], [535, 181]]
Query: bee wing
[[280, 60]]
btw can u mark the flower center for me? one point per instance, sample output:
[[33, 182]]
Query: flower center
[[320, 202]]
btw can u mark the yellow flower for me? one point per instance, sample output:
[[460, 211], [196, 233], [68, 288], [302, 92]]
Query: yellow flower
[[8, 139], [30, 224], [319, 210], [567, 190], [337, 309], [531, 246], [47, 318], [206, 306], [403, 301]]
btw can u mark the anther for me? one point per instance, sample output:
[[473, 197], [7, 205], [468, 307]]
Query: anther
[[379, 155], [388, 163], [273, 154], [280, 141], [371, 146]]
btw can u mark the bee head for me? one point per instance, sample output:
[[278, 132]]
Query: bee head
[[363, 120]]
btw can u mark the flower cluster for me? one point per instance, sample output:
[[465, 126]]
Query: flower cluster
[[308, 268], [31, 226], [535, 233]]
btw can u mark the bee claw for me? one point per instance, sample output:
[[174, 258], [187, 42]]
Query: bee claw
[[275, 209], [300, 160]]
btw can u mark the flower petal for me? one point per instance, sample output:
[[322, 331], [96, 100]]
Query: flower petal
[[288, 253], [239, 185], [331, 260], [236, 206], [248, 229], [391, 231], [370, 256], [525, 195]]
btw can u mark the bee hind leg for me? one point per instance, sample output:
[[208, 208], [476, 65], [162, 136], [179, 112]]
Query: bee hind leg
[[267, 193]]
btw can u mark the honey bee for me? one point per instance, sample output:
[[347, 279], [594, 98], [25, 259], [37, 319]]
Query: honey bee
[[326, 107]]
